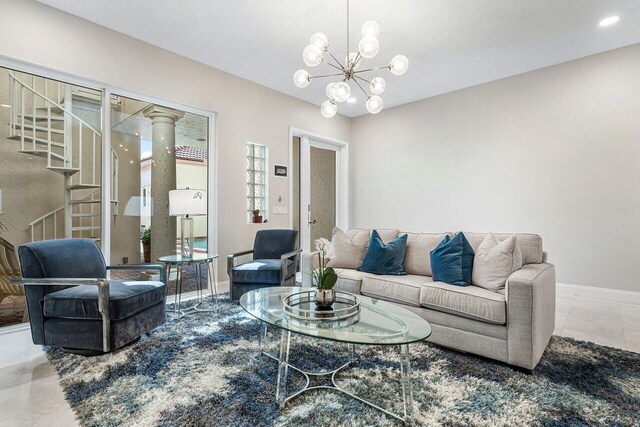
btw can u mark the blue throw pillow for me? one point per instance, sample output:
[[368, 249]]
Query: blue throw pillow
[[452, 261], [385, 259]]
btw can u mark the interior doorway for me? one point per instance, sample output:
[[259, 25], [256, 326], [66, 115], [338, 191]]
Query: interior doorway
[[319, 184]]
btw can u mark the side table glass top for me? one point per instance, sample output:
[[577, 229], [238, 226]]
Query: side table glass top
[[378, 323], [178, 259]]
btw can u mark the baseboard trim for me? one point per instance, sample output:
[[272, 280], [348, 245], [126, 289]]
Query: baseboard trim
[[605, 294], [14, 328]]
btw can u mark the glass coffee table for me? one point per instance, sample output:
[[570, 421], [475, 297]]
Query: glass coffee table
[[378, 323]]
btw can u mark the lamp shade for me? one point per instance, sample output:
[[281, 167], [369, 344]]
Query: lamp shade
[[187, 201]]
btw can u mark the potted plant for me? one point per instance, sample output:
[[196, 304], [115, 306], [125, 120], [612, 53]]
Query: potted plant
[[324, 277], [257, 218], [145, 238]]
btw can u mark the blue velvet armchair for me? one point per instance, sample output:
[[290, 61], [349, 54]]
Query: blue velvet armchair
[[275, 262], [72, 305]]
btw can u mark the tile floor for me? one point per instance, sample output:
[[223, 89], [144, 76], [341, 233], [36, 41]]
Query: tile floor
[[30, 394]]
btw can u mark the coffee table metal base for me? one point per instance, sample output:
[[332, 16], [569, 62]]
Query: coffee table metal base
[[284, 365]]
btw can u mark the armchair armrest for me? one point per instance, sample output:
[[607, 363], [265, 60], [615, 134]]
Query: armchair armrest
[[310, 262], [140, 267], [103, 299], [283, 264], [231, 259], [531, 309]]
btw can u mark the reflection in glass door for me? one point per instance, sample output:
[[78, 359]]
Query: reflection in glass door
[[160, 149]]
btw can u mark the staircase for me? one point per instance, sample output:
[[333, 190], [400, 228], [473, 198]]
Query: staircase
[[43, 121]]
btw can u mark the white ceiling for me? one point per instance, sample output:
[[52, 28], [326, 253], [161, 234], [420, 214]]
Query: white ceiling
[[450, 44]]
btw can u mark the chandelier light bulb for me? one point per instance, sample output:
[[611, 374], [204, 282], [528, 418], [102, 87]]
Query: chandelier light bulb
[[312, 55], [374, 104], [368, 46], [350, 60], [331, 90], [378, 85], [301, 78], [319, 40], [342, 91], [370, 28], [328, 109], [399, 65]]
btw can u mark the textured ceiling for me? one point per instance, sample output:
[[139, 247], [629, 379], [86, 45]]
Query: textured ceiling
[[450, 44]]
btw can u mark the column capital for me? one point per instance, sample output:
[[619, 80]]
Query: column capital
[[155, 112]]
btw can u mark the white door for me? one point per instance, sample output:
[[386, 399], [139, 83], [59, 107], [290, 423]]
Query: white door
[[323, 189]]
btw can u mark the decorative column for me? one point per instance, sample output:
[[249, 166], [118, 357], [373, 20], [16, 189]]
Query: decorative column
[[163, 178]]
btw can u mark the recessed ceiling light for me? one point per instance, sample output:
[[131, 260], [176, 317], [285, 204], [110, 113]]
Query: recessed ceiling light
[[351, 100], [5, 105], [609, 21]]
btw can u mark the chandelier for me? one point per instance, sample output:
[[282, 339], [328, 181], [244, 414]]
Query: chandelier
[[349, 71]]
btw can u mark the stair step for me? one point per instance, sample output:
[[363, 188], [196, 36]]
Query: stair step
[[56, 110], [43, 118], [41, 153], [38, 140], [88, 227], [40, 129], [83, 186], [63, 170], [84, 202], [85, 215]]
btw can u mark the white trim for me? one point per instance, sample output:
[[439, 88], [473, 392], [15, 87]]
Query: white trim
[[105, 88], [14, 328], [342, 176], [105, 193], [603, 294]]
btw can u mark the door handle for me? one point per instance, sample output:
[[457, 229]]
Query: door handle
[[312, 222]]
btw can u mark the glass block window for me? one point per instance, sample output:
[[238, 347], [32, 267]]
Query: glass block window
[[256, 180]]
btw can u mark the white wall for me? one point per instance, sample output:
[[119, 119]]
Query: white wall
[[554, 152], [41, 35]]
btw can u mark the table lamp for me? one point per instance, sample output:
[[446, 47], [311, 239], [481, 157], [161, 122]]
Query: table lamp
[[187, 203]]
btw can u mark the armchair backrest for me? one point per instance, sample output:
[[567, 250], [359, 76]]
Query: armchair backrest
[[272, 243], [64, 258]]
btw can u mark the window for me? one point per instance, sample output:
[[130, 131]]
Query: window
[[256, 180]]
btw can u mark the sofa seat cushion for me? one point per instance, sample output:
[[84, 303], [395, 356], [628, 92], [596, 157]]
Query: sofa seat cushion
[[349, 280], [400, 289], [260, 271], [472, 302], [126, 299]]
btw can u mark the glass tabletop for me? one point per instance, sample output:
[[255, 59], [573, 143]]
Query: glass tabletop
[[178, 259], [378, 323]]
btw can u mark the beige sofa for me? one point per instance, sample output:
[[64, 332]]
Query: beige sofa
[[513, 325]]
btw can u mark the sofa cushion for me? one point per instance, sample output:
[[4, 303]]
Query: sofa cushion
[[384, 258], [348, 252], [472, 302], [530, 244], [260, 271], [452, 261], [401, 289], [419, 246], [349, 280], [495, 261], [386, 234], [126, 298]]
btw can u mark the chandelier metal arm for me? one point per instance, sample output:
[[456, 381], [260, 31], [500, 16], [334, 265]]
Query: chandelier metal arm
[[335, 59], [363, 91], [362, 78], [326, 75], [334, 66], [373, 69]]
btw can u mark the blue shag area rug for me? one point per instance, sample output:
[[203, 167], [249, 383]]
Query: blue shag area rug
[[206, 370]]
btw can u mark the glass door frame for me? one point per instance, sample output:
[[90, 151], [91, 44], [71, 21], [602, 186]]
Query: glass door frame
[[107, 90]]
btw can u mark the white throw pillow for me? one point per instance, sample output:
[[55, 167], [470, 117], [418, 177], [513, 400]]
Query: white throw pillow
[[494, 262], [348, 252]]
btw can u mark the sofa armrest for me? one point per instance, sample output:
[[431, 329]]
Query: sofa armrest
[[531, 313], [310, 262]]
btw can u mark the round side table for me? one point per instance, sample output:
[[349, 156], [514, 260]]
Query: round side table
[[197, 260]]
